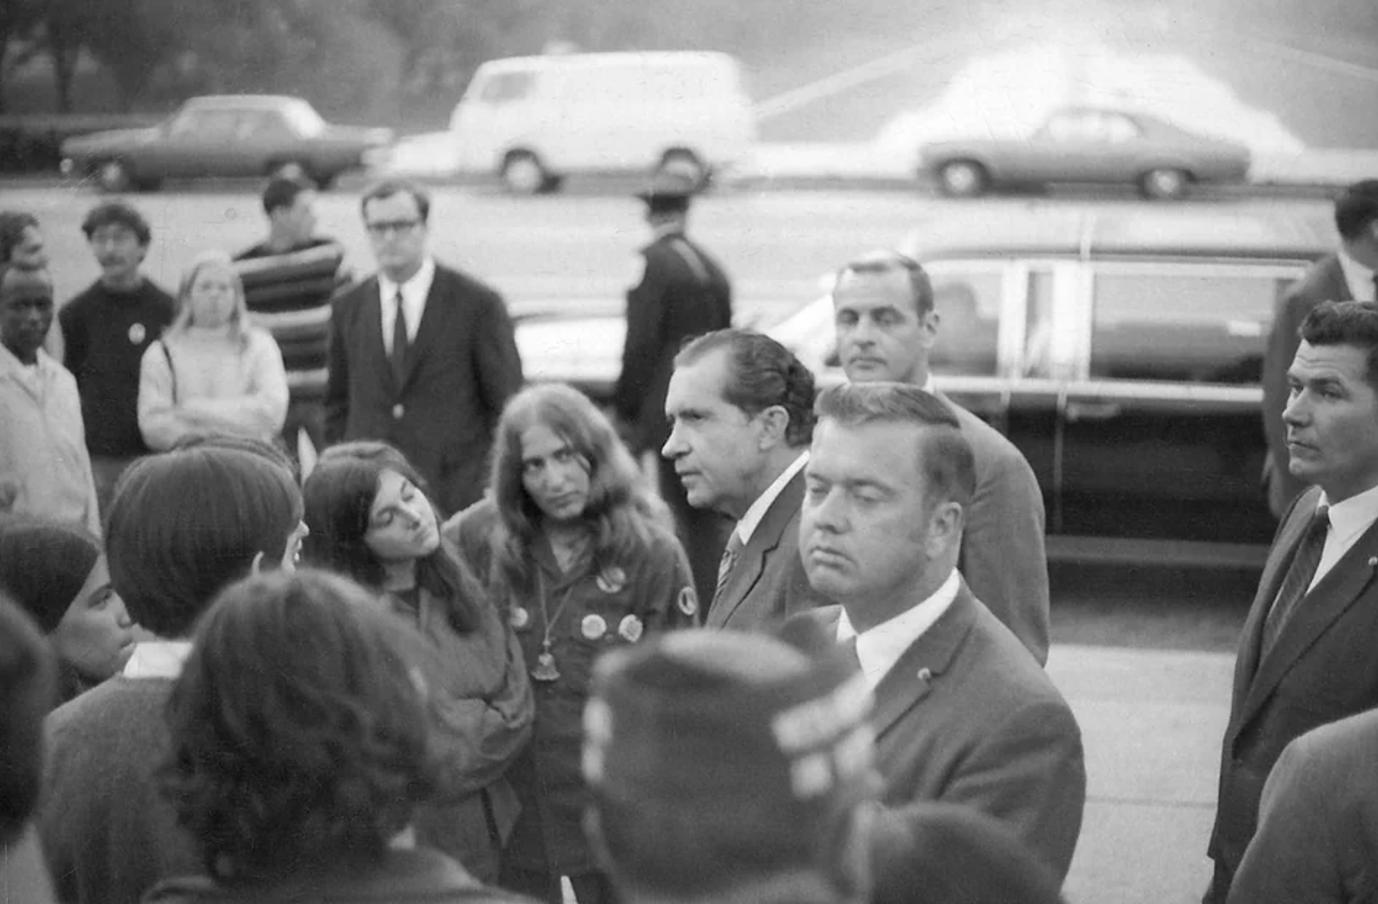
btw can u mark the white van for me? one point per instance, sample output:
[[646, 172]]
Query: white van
[[533, 120]]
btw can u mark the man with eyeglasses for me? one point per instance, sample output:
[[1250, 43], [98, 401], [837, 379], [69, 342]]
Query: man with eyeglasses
[[422, 356], [887, 326]]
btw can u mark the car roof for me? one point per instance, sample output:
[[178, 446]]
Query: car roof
[[244, 100], [611, 60], [1223, 231]]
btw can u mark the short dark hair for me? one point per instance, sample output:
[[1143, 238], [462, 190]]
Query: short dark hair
[[282, 191], [119, 213], [43, 565], [186, 523], [339, 496], [944, 455], [389, 187], [889, 261], [1346, 323], [284, 754], [12, 226], [761, 373], [1356, 208], [27, 693]]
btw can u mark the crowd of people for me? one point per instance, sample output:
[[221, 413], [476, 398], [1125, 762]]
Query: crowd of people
[[304, 595]]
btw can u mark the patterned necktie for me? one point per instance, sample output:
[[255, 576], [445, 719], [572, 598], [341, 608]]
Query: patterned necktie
[[399, 344], [727, 562], [1298, 579]]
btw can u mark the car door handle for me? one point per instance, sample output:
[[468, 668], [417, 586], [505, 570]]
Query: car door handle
[[1093, 411]]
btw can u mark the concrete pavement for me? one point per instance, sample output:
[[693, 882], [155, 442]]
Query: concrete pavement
[[1151, 723]]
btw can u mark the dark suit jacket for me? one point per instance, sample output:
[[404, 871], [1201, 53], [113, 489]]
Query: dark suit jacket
[[1324, 281], [683, 293], [768, 583], [1003, 557], [1317, 839], [967, 716], [460, 371], [1323, 668]]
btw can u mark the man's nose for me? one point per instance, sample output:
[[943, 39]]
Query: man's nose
[[674, 446]]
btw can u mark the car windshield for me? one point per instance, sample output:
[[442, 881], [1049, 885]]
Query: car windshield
[[303, 119]]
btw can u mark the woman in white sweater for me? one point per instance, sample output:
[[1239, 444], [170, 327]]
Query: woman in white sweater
[[212, 371]]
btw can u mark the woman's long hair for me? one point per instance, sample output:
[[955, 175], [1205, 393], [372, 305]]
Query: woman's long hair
[[240, 322], [620, 509], [339, 495]]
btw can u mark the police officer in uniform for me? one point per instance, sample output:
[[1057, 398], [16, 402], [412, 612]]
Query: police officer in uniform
[[683, 293]]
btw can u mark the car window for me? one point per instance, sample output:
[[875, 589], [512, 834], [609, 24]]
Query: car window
[[505, 87], [968, 306], [1118, 128], [206, 124], [260, 124], [301, 118], [1180, 326]]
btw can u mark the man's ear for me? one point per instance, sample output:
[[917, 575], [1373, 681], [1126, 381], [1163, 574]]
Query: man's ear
[[945, 525], [776, 422]]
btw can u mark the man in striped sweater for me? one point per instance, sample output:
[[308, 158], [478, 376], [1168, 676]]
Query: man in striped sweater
[[289, 281]]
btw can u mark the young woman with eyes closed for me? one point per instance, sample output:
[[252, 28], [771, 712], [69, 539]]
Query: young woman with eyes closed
[[582, 558], [370, 520], [58, 574], [212, 371]]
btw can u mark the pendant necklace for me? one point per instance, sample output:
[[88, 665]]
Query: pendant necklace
[[545, 670]]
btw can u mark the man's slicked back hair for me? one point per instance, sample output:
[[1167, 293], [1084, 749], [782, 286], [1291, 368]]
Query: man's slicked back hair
[[1346, 323], [877, 263], [761, 373]]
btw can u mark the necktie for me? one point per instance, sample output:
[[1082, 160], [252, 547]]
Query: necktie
[[727, 562], [1298, 579], [399, 344]]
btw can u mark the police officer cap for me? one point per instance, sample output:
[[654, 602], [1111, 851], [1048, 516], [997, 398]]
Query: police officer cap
[[674, 180]]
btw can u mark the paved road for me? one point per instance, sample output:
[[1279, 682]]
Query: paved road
[[575, 247]]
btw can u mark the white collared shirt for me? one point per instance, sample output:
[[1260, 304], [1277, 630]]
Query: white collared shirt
[[1348, 521], [752, 519], [157, 659], [414, 293], [1359, 277], [882, 646]]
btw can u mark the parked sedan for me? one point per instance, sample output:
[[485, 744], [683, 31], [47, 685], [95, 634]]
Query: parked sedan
[[1120, 351], [1089, 145], [223, 136]]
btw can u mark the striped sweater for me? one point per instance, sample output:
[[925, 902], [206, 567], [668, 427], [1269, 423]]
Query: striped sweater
[[289, 294]]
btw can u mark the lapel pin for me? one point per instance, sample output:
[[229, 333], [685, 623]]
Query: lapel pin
[[1373, 561], [925, 675]]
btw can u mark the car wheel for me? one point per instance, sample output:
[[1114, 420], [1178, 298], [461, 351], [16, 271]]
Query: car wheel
[[114, 176], [687, 163], [522, 174], [962, 179], [1165, 184]]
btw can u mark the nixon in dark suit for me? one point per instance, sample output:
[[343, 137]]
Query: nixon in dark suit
[[963, 713], [1317, 839], [886, 330], [683, 293], [439, 399], [1356, 218], [1306, 656], [741, 406]]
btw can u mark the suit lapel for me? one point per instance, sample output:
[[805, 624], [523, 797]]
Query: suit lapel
[[1318, 610], [1339, 286], [431, 325], [764, 543], [927, 659]]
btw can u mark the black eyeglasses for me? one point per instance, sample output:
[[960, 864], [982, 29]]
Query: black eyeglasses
[[383, 227]]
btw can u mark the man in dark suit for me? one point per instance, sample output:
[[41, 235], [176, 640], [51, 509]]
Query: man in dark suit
[[421, 356], [1317, 838], [1306, 654], [1346, 275], [741, 407], [682, 293], [886, 330], [964, 714]]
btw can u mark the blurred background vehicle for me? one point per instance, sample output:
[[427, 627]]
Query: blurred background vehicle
[[241, 135], [1120, 350], [1089, 145], [534, 120]]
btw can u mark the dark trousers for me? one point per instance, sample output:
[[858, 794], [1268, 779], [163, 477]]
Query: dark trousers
[[304, 416], [589, 888]]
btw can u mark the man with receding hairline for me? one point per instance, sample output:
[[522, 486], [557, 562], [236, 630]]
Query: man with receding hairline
[[886, 330], [963, 714]]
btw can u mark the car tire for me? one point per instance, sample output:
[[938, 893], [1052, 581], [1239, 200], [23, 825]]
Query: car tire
[[963, 179], [523, 174], [1165, 184], [113, 175], [688, 163]]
